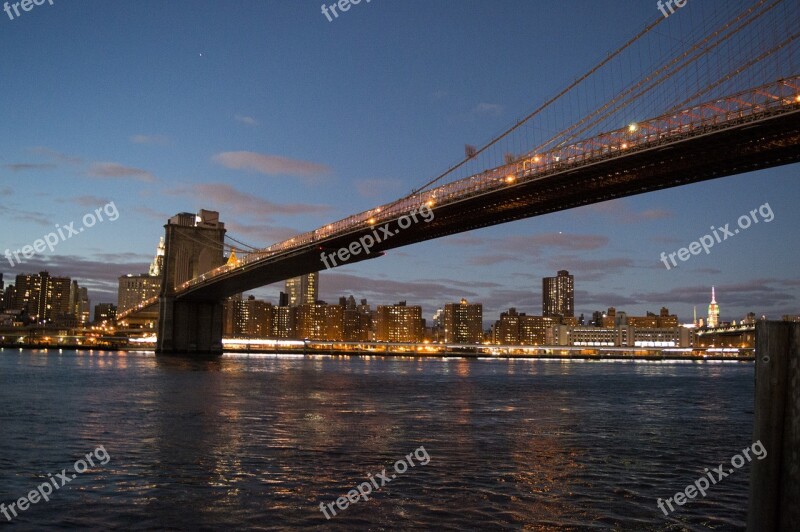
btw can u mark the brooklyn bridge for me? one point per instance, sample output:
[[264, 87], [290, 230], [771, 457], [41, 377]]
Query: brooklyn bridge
[[676, 124]]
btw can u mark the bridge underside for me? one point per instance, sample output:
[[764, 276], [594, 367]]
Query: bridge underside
[[769, 142]]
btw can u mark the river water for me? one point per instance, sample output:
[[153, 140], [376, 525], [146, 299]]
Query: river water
[[258, 442]]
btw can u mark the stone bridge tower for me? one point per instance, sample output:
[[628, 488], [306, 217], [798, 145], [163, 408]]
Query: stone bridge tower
[[193, 246]]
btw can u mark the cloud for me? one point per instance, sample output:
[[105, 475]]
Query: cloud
[[489, 260], [268, 164], [463, 240], [115, 170], [6, 191], [374, 188], [150, 139], [9, 213], [621, 211], [20, 167], [152, 213], [248, 120], [590, 269], [533, 244], [86, 201], [666, 240], [228, 199], [387, 291], [707, 271], [603, 300], [58, 156], [491, 109]]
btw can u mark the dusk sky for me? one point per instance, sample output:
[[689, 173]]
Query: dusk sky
[[283, 121]]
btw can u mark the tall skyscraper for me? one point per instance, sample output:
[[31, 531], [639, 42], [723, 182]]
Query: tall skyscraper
[[713, 311], [558, 295], [303, 290], [158, 261]]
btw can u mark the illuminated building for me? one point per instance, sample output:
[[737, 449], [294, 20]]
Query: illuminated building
[[320, 322], [136, 289], [507, 328], [105, 312], [250, 318], [283, 322], [463, 323], [533, 329], [713, 311], [303, 290], [651, 321], [42, 297], [158, 261], [558, 295], [79, 303], [399, 323], [356, 321]]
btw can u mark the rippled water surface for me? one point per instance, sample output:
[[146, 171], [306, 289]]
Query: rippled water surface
[[260, 442]]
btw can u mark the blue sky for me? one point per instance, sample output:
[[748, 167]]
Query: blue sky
[[284, 121]]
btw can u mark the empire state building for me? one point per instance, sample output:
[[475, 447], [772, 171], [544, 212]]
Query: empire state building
[[713, 311]]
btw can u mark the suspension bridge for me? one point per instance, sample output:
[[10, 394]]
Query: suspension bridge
[[722, 100]]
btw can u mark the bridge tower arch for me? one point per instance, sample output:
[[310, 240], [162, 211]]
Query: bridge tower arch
[[193, 246]]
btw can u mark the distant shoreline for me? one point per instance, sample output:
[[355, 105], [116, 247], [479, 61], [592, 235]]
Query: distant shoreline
[[414, 354]]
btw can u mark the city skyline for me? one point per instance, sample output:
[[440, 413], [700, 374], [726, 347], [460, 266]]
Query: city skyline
[[260, 151], [134, 289]]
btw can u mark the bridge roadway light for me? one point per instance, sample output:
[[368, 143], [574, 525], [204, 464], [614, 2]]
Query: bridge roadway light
[[632, 128], [510, 178]]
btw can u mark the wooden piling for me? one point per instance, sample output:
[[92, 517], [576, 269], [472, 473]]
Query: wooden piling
[[775, 481]]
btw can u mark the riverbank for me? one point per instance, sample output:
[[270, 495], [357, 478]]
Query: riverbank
[[327, 351]]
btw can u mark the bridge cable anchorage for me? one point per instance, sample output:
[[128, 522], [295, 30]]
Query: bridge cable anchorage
[[539, 109]]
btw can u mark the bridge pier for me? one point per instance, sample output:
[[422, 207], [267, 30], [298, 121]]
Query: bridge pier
[[189, 327]]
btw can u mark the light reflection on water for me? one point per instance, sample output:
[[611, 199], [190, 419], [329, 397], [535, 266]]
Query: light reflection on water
[[258, 441]]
